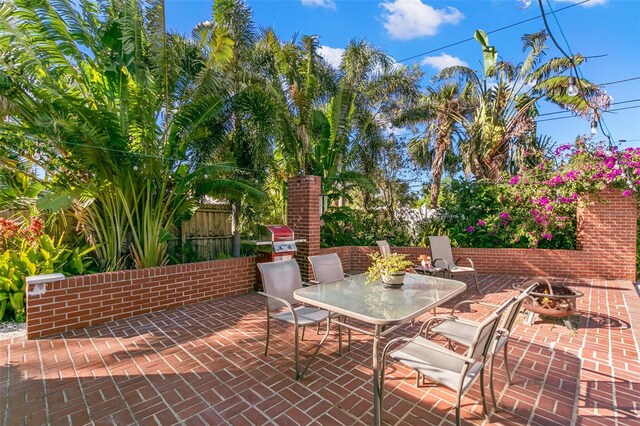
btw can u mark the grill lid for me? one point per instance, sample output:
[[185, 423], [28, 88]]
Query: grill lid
[[276, 233]]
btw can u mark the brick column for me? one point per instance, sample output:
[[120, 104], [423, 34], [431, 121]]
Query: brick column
[[303, 217], [607, 230]]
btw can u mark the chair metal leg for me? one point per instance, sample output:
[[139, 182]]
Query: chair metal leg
[[493, 393], [295, 352], [303, 330], [530, 318], [458, 398], [266, 345], [339, 340], [475, 278], [506, 361], [315, 352], [484, 400]]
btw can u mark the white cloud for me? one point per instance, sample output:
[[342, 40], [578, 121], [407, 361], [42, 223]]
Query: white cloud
[[587, 4], [409, 19], [333, 55], [327, 4], [443, 61]]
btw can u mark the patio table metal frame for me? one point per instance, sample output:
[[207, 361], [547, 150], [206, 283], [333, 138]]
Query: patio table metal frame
[[384, 308]]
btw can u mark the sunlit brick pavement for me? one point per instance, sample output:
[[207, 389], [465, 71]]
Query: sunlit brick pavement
[[205, 365]]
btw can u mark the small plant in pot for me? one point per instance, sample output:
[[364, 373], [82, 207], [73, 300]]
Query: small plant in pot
[[390, 268]]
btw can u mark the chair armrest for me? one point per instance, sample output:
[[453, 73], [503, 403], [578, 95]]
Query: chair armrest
[[463, 302], [284, 302], [468, 259], [310, 283], [347, 275], [425, 326], [434, 262]]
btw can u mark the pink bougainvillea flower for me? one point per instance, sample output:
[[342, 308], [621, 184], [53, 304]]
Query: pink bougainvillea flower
[[480, 222], [470, 229], [627, 193]]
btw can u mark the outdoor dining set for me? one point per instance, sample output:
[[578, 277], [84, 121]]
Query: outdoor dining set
[[369, 308]]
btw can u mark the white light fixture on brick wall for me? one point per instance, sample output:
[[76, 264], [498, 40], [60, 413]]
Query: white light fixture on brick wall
[[37, 284]]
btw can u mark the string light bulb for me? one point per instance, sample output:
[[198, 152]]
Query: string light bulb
[[206, 176], [523, 4], [135, 168], [594, 128], [572, 89]]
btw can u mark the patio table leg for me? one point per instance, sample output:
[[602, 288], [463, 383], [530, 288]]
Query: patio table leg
[[376, 378]]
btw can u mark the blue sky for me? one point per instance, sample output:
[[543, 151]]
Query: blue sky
[[405, 28]]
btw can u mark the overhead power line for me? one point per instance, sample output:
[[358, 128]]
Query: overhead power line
[[575, 116], [619, 81], [495, 31], [565, 111]]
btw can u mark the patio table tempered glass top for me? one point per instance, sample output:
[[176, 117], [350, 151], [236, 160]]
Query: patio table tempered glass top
[[376, 304]]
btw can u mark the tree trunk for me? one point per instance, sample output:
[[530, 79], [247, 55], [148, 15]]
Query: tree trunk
[[437, 167]]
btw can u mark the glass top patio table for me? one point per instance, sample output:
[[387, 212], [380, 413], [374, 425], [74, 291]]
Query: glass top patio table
[[385, 308], [375, 304]]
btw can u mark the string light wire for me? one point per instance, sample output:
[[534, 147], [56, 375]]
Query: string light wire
[[599, 118]]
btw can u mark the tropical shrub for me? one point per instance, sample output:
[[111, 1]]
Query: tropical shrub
[[483, 214], [537, 207], [346, 226], [26, 250], [119, 114]]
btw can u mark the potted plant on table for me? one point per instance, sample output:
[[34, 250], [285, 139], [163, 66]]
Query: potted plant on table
[[390, 268]]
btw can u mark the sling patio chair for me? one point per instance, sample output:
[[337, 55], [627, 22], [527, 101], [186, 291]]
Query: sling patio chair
[[461, 330], [326, 268], [385, 249], [443, 258], [445, 366], [280, 280]]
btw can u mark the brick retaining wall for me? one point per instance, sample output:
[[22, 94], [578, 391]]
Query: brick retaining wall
[[87, 300], [606, 248]]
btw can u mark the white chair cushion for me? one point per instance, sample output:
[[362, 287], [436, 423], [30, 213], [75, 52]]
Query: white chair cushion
[[306, 315], [455, 269], [435, 364]]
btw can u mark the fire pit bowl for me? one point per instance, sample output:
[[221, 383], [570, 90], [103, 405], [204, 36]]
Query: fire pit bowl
[[551, 300]]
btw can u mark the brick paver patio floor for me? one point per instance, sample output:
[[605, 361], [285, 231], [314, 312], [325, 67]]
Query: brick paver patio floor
[[204, 364]]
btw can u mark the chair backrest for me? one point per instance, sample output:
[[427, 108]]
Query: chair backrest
[[486, 331], [327, 267], [385, 249], [441, 249], [511, 314], [280, 279]]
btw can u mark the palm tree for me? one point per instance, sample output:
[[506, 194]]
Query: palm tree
[[439, 110], [505, 98], [115, 106]]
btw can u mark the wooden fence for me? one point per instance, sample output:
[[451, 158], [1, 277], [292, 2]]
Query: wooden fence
[[207, 235]]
